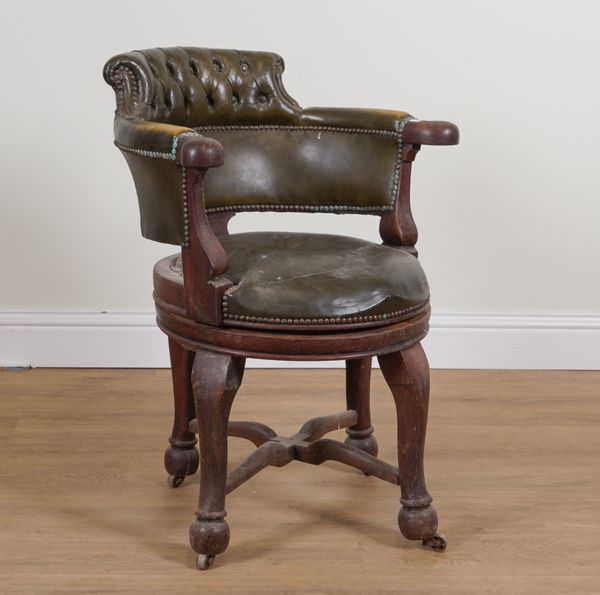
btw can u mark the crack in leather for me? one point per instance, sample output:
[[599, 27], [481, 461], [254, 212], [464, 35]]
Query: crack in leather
[[376, 282]]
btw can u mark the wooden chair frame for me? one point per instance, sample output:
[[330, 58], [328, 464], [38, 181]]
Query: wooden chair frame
[[207, 359]]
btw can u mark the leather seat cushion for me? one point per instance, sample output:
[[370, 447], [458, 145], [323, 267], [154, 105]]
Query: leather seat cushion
[[319, 279]]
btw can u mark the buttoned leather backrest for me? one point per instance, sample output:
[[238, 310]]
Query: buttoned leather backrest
[[199, 86], [278, 156]]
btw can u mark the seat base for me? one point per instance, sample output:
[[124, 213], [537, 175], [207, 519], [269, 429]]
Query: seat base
[[292, 346]]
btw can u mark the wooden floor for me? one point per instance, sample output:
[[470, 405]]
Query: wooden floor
[[512, 463]]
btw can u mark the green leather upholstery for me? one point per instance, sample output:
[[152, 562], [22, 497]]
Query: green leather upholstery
[[352, 117], [277, 155], [316, 280], [195, 86], [307, 168]]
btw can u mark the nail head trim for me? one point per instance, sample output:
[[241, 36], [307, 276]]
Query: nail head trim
[[186, 218], [295, 128], [308, 208], [279, 207], [159, 154], [176, 268], [313, 321], [301, 127]]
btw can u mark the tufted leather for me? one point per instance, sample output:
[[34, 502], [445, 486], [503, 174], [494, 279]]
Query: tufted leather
[[196, 86], [314, 280], [277, 155]]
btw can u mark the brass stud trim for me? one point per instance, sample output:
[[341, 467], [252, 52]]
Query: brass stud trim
[[158, 154], [314, 321], [318, 208]]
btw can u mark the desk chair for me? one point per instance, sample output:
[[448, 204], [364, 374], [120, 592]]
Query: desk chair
[[208, 133]]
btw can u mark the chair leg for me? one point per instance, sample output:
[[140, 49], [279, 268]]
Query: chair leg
[[215, 380], [358, 388], [181, 457], [407, 374]]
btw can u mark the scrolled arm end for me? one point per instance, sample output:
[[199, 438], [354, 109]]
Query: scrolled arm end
[[199, 152], [430, 132]]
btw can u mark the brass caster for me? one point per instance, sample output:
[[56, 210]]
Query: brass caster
[[438, 543], [204, 562], [175, 481]]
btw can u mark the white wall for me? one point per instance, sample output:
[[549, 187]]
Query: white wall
[[509, 220]]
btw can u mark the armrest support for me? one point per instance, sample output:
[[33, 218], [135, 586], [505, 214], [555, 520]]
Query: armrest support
[[430, 132], [203, 257], [169, 164], [397, 226]]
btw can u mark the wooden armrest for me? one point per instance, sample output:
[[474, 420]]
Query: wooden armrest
[[199, 152], [430, 132]]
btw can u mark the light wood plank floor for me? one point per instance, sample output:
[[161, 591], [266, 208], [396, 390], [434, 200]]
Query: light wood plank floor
[[512, 463]]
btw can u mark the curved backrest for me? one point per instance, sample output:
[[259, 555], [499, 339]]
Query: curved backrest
[[199, 86], [277, 155]]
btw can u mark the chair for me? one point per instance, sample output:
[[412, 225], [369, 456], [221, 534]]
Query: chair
[[207, 133]]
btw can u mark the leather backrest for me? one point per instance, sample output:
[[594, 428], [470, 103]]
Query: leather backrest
[[277, 155], [303, 168], [198, 86]]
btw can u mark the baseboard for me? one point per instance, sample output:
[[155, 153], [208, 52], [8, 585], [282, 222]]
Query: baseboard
[[132, 340]]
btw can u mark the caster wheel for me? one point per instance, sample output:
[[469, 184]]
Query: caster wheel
[[438, 542], [175, 481], [204, 562]]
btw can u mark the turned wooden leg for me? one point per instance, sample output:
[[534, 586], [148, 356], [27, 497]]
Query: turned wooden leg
[[407, 374], [215, 380], [358, 388], [181, 457]]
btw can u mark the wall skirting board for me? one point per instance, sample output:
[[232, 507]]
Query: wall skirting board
[[132, 340]]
